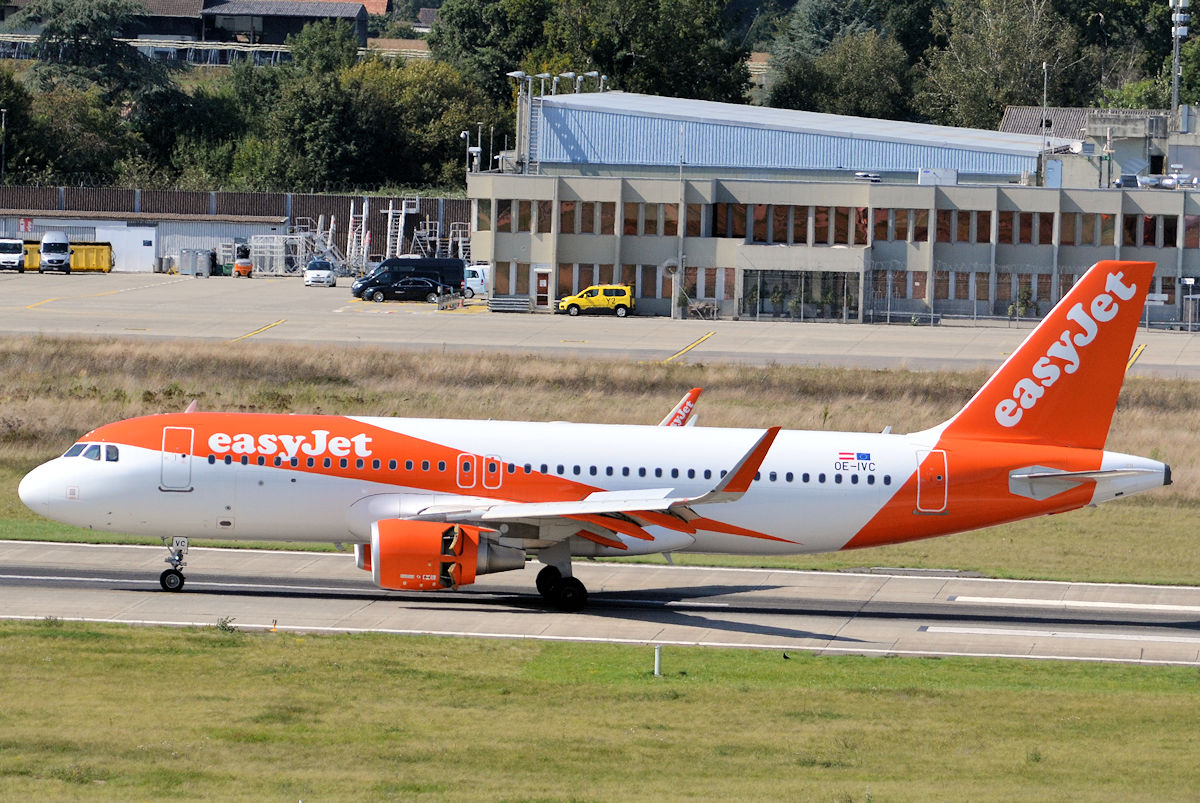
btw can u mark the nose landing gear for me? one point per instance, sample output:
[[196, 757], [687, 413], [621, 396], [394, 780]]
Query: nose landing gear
[[172, 579]]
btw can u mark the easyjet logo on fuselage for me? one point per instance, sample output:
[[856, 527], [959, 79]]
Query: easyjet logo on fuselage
[[1064, 354], [313, 444]]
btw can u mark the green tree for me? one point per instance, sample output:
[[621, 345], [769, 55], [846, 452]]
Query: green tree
[[324, 47], [436, 104], [485, 39], [80, 134], [78, 47], [812, 26], [993, 58], [864, 75], [22, 137], [676, 48]]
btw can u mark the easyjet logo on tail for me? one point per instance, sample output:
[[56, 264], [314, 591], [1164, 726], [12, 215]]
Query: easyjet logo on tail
[[1065, 355], [313, 444]]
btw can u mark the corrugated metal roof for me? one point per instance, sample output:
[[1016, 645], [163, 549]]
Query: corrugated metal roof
[[1065, 121], [626, 128], [284, 8]]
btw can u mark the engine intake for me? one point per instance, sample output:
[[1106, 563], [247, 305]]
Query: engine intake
[[428, 555]]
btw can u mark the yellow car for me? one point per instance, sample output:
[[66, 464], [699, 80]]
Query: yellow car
[[614, 298]]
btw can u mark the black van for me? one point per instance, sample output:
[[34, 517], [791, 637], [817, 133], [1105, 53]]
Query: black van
[[444, 270]]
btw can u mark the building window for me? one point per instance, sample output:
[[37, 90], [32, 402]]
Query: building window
[[1004, 287], [962, 286], [880, 217], [1066, 232], [504, 216], [918, 284], [631, 219], [1108, 228], [1045, 228], [524, 215], [944, 225], [1191, 231], [545, 216], [650, 224], [695, 215], [522, 286], [587, 217], [983, 227], [981, 287], [1129, 226], [670, 225], [920, 226], [841, 225], [901, 226], [608, 217], [1004, 228], [820, 225], [962, 232], [585, 277], [779, 223], [941, 284], [737, 221], [1170, 237], [483, 215], [1025, 227], [566, 217], [759, 230], [629, 275], [501, 280], [566, 275]]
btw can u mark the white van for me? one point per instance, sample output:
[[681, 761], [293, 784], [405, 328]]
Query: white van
[[12, 255], [475, 279], [55, 252]]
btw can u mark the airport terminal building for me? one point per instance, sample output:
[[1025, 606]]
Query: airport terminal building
[[746, 212]]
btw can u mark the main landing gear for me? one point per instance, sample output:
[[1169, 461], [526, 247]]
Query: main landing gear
[[565, 593], [172, 579]]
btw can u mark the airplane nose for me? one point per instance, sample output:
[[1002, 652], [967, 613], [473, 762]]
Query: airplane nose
[[36, 490]]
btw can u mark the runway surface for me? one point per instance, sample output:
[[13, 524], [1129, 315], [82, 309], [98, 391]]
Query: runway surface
[[824, 612], [283, 310]]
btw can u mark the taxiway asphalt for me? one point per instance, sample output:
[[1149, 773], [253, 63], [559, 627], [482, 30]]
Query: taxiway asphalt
[[283, 310], [877, 613]]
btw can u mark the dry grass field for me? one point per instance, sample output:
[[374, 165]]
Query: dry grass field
[[53, 390]]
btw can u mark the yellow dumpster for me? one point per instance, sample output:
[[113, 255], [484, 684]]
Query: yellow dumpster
[[84, 256]]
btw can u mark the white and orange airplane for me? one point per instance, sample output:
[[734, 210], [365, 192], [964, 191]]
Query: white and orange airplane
[[432, 504]]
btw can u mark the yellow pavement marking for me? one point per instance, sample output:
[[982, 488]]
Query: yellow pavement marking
[[688, 348], [1136, 353], [258, 331], [40, 303]]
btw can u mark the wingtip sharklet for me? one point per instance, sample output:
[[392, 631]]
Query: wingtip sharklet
[[738, 480]]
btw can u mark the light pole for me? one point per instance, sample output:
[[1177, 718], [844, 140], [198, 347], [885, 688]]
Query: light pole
[[465, 136], [1179, 30], [3, 142]]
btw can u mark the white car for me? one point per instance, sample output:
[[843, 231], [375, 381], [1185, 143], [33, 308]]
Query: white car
[[475, 279], [319, 273]]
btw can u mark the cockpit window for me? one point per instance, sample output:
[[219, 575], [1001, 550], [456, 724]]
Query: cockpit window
[[75, 450], [92, 452], [110, 454]]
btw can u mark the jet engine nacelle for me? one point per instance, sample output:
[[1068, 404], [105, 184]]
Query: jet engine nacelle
[[429, 555]]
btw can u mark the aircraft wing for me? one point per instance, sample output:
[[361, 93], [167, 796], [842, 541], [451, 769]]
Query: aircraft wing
[[625, 512]]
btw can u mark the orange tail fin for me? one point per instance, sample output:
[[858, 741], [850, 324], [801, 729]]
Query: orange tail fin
[[1060, 386]]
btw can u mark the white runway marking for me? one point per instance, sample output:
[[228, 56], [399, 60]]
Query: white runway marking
[[600, 640], [1080, 634], [1081, 604]]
